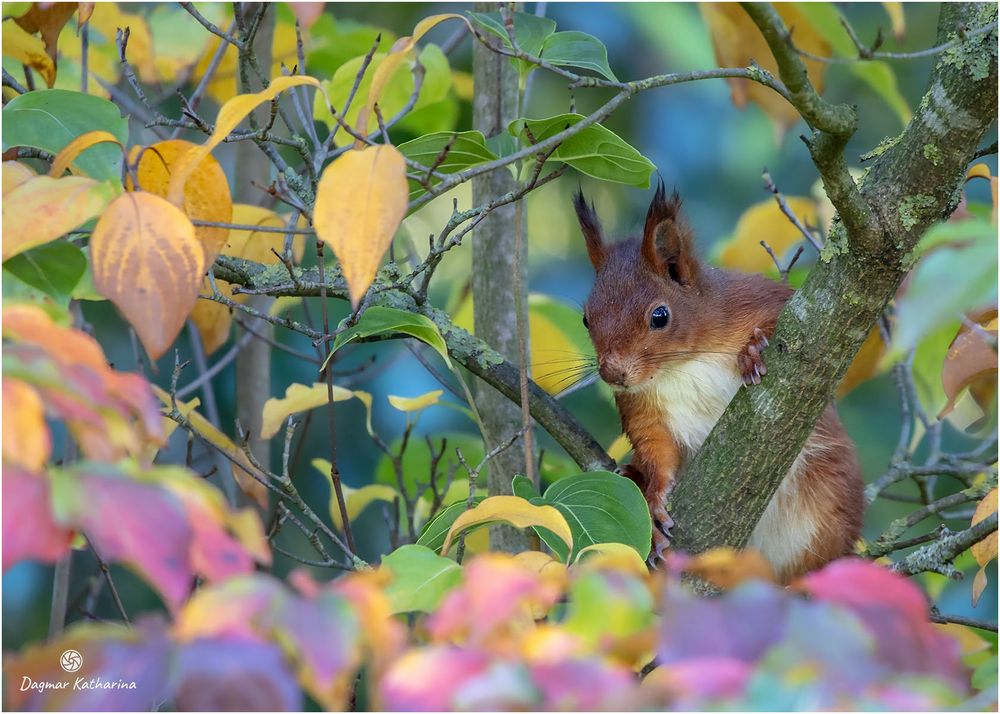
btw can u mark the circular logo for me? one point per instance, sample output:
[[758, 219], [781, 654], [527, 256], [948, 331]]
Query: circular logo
[[71, 660]]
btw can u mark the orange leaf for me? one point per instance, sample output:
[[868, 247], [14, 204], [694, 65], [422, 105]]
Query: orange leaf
[[47, 18], [26, 439], [43, 208], [86, 9], [76, 147], [985, 550], [738, 42], [307, 12], [978, 585], [865, 363], [970, 358], [148, 262], [206, 193], [229, 117], [360, 201]]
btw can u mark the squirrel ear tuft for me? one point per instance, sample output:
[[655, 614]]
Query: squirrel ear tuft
[[667, 243], [591, 227]]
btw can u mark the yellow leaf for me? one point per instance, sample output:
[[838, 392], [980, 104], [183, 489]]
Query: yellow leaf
[[978, 585], [258, 245], [415, 404], [229, 117], [26, 439], [895, 12], [738, 42], [148, 262], [726, 567], [213, 319], [77, 146], [355, 499], [389, 65], [985, 550], [516, 511], [206, 193], [613, 556], [978, 171], [765, 221], [28, 50], [969, 642], [300, 398], [14, 174], [42, 209], [242, 467], [620, 447], [223, 84], [360, 201]]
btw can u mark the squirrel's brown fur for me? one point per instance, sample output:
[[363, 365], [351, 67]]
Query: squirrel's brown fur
[[672, 383]]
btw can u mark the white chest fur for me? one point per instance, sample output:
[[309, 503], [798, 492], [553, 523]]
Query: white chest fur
[[693, 394]]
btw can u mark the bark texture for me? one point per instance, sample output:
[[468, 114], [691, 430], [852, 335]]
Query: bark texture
[[253, 364], [494, 106], [724, 490]]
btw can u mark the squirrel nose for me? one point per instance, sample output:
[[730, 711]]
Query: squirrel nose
[[613, 372]]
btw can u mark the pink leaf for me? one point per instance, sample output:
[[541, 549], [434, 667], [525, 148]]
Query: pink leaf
[[29, 531]]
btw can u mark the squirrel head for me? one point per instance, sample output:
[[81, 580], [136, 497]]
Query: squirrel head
[[647, 305]]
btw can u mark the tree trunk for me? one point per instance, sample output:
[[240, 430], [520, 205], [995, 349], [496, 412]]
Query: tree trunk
[[724, 490], [494, 106], [253, 364]]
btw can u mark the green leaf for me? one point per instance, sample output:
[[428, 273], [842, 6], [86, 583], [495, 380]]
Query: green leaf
[[600, 507], [595, 151], [529, 31], [390, 321], [420, 578], [51, 118], [54, 268], [578, 49], [957, 274], [467, 148], [396, 93], [882, 79], [336, 41], [85, 289], [523, 487], [825, 19], [435, 532]]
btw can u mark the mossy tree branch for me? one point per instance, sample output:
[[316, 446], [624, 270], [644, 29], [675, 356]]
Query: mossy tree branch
[[727, 486], [471, 352]]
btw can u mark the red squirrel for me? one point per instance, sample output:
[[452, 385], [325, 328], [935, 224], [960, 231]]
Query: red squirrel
[[675, 339]]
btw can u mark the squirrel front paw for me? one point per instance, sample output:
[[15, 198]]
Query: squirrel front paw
[[662, 523], [751, 364]]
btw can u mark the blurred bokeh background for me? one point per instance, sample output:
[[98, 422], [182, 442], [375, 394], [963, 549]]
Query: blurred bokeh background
[[712, 151]]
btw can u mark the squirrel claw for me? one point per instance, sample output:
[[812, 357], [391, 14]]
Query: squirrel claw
[[752, 367], [662, 523]]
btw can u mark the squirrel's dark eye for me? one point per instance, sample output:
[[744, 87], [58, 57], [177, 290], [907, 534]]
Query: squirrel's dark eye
[[660, 317], [585, 323]]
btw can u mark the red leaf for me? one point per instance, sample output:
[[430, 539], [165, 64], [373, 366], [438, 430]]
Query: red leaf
[[892, 609], [29, 532], [130, 522]]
